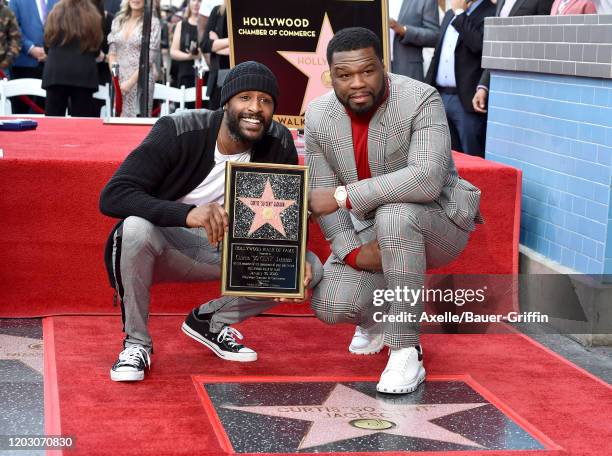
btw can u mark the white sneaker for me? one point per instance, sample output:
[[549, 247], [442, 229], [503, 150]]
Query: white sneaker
[[404, 372], [131, 364], [367, 341]]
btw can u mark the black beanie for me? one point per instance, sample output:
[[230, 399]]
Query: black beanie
[[249, 76]]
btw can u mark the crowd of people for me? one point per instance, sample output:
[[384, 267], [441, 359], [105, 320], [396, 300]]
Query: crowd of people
[[455, 67], [39, 37]]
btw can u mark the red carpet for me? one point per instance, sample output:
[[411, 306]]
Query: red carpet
[[67, 139], [164, 416], [53, 233]]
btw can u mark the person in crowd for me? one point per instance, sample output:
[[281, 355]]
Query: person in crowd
[[417, 26], [568, 7], [216, 42], [31, 16], [73, 35], [10, 38], [391, 204], [170, 192], [104, 75], [172, 17], [507, 8], [185, 49], [164, 46], [125, 40], [455, 71]]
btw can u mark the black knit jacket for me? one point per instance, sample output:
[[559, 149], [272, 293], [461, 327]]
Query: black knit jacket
[[174, 158]]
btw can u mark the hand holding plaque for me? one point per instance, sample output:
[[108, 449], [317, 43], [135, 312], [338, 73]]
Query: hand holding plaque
[[212, 217]]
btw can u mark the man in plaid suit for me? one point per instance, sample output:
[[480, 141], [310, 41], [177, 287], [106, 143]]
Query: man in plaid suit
[[388, 197]]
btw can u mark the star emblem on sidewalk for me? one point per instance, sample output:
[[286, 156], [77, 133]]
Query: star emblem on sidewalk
[[267, 209], [314, 65], [347, 413], [24, 349]]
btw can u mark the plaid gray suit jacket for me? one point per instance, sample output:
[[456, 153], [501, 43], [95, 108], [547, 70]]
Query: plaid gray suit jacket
[[409, 156]]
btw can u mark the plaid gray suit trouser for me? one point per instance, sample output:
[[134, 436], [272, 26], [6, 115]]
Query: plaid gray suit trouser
[[411, 237]]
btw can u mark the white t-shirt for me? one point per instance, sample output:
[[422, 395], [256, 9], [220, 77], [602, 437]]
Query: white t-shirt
[[212, 188]]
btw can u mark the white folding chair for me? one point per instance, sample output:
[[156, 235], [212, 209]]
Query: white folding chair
[[190, 94], [103, 93], [5, 104], [169, 94], [17, 87]]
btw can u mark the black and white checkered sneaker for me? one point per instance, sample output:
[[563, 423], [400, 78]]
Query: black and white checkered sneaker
[[223, 343], [131, 364]]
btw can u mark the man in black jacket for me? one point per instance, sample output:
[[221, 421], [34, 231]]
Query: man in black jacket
[[508, 8], [169, 192], [455, 70]]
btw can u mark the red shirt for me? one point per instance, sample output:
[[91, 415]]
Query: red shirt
[[359, 127]]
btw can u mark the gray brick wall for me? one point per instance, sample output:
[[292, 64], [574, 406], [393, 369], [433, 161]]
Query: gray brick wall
[[570, 45]]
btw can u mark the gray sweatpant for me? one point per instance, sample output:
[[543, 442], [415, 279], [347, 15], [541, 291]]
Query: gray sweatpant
[[150, 254]]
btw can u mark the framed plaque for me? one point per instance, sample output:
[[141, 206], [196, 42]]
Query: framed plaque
[[291, 37], [265, 248]]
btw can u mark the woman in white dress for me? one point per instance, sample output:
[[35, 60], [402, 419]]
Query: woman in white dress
[[124, 42]]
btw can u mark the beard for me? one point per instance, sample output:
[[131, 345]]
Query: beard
[[236, 132], [363, 109]]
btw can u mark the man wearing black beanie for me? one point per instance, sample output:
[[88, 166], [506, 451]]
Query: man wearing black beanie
[[169, 193]]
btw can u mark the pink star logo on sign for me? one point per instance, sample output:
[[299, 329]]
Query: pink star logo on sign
[[267, 209], [314, 65]]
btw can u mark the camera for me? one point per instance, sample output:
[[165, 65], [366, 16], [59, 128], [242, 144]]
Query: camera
[[193, 47]]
